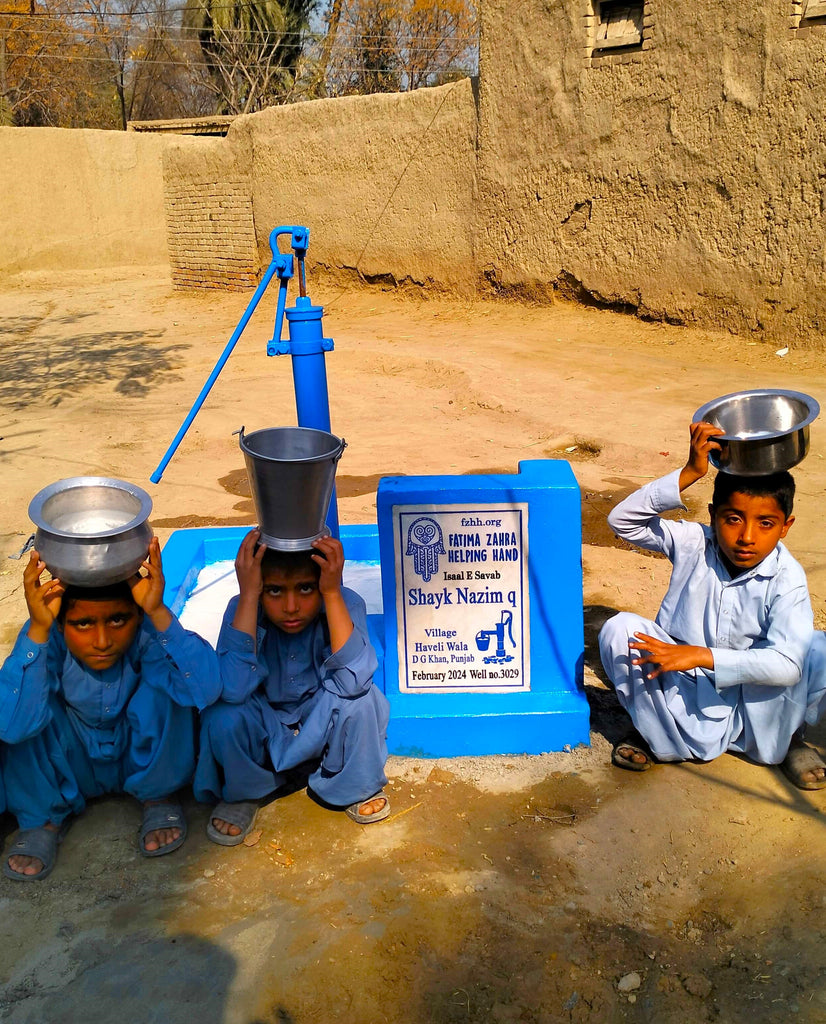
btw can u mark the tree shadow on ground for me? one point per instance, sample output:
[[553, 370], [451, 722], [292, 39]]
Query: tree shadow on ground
[[42, 364]]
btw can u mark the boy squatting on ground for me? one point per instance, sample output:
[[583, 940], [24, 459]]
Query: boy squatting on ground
[[296, 669], [97, 697], [732, 662]]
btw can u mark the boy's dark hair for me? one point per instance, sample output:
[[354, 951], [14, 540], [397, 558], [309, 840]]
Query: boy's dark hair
[[291, 563], [779, 486], [112, 592]]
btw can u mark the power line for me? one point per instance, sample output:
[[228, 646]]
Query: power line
[[337, 67], [241, 4], [60, 32], [366, 41], [103, 59], [62, 35], [131, 14]]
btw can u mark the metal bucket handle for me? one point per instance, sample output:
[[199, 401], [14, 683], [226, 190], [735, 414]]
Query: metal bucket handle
[[239, 433]]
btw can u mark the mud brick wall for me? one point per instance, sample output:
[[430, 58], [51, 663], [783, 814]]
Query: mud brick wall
[[209, 217]]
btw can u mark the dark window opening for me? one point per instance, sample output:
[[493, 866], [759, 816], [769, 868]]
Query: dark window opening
[[618, 24]]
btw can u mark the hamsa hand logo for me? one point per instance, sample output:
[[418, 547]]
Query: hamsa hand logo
[[425, 543]]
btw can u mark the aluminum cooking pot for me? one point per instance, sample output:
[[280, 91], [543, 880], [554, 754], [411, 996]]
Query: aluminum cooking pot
[[92, 531], [765, 431]]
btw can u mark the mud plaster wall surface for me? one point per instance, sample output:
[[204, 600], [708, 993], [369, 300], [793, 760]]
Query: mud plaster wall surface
[[688, 183], [80, 199], [385, 183]]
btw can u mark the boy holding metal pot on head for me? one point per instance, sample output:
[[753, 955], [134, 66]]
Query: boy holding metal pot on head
[[98, 696], [731, 663], [297, 669]]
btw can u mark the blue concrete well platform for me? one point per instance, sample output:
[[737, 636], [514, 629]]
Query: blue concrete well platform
[[482, 590], [480, 642]]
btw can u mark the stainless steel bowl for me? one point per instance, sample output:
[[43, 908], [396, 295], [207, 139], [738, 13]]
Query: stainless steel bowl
[[765, 431], [91, 530]]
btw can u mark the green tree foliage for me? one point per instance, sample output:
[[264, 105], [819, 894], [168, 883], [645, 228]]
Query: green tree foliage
[[253, 49]]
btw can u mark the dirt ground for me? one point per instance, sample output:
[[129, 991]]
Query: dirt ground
[[542, 889]]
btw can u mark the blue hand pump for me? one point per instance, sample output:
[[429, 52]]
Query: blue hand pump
[[306, 346]]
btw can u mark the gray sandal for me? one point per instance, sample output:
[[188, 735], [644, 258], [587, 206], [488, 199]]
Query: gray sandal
[[241, 813], [168, 814], [367, 819], [40, 842], [634, 742], [800, 759]]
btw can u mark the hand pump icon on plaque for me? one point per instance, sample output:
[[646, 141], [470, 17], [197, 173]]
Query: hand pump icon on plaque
[[484, 635]]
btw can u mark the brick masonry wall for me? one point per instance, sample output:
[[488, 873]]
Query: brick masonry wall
[[209, 218], [385, 184]]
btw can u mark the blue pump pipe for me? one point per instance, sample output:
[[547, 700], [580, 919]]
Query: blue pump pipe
[[306, 345]]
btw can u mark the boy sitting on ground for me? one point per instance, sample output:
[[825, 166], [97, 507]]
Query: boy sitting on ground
[[729, 663], [97, 697], [296, 668]]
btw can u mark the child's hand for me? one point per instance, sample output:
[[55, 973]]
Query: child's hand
[[147, 591], [331, 561], [667, 657], [250, 583], [329, 585], [248, 566], [702, 443], [42, 599]]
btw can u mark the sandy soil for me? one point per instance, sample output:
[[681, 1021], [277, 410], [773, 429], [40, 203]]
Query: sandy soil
[[501, 889]]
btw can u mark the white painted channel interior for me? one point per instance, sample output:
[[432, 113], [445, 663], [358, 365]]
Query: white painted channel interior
[[217, 583]]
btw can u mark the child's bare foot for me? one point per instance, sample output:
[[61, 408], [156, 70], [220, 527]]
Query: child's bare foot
[[226, 828], [632, 753], [34, 853], [164, 827], [22, 865], [232, 822], [373, 806], [804, 766], [159, 837], [377, 808]]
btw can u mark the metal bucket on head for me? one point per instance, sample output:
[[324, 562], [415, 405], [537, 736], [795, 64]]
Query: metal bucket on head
[[292, 471]]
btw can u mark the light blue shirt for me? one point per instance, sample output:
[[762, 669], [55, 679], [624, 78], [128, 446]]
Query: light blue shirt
[[758, 625], [176, 661], [289, 669]]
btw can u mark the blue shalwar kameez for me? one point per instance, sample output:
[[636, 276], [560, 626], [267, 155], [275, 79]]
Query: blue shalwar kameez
[[288, 701], [768, 677], [70, 733]]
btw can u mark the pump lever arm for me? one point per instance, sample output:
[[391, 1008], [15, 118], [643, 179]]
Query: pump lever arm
[[281, 264]]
